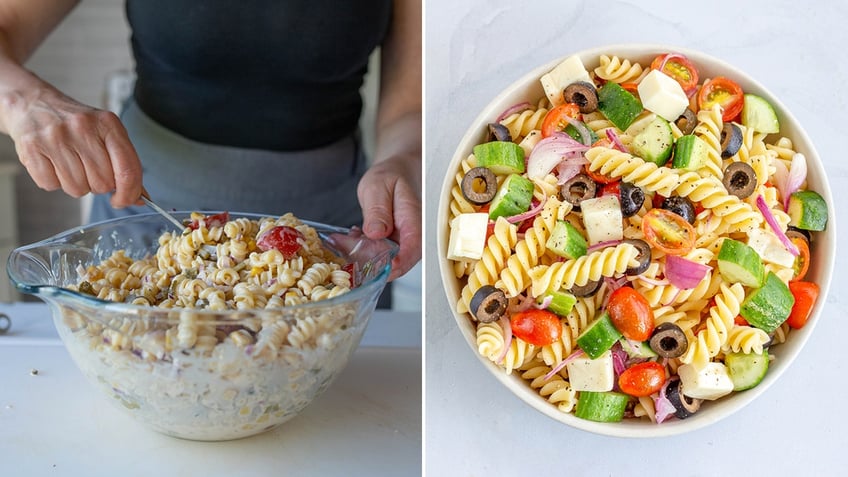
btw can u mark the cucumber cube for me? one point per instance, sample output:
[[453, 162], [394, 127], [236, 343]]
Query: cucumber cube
[[769, 306], [807, 210], [566, 241], [739, 263]]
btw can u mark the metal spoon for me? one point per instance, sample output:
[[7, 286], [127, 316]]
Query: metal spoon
[[146, 198]]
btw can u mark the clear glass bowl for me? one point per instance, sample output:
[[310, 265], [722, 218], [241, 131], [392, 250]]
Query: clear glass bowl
[[218, 392]]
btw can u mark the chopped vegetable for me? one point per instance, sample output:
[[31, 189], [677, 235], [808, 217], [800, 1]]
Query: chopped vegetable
[[642, 379], [806, 294], [683, 273], [558, 118], [726, 93], [537, 327], [283, 238], [668, 232], [680, 69], [631, 314]]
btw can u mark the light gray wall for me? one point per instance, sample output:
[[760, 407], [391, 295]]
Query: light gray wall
[[92, 42]]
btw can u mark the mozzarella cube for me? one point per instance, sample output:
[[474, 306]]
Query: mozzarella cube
[[602, 219], [662, 95], [468, 236], [529, 142], [569, 71], [587, 374], [711, 382], [769, 247]]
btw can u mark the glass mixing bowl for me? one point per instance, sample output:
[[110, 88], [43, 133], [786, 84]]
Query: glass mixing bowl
[[224, 389]]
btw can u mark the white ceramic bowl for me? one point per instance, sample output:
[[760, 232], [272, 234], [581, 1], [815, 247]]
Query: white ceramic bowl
[[528, 88]]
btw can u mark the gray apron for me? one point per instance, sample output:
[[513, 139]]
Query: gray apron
[[181, 174]]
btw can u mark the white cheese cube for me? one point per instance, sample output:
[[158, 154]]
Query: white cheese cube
[[468, 236], [662, 95], [769, 247], [602, 219], [565, 73], [587, 374], [711, 382], [529, 142]]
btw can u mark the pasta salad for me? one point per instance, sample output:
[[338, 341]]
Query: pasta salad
[[219, 351], [634, 242]]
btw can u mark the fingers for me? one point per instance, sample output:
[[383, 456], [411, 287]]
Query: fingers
[[376, 195], [391, 208], [85, 152]]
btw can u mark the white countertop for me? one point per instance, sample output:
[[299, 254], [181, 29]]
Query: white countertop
[[474, 49], [55, 423]]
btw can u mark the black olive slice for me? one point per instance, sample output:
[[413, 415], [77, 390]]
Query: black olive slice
[[644, 256], [578, 188], [684, 406], [687, 121], [681, 206], [631, 197], [731, 140], [583, 94], [800, 233], [470, 185], [488, 304], [590, 288], [499, 132], [669, 341], [739, 179]]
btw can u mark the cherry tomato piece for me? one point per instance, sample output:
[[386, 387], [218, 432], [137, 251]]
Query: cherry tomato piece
[[537, 327], [806, 294], [612, 188], [679, 68], [668, 232], [631, 314], [555, 119], [741, 321], [642, 379], [802, 261], [724, 92], [350, 268], [631, 88], [283, 238], [214, 220]]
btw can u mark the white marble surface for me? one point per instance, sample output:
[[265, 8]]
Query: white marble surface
[[474, 49], [55, 423]]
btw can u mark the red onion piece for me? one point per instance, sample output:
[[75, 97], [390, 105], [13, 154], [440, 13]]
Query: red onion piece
[[619, 360], [569, 167], [653, 281], [613, 137], [534, 211], [546, 302], [525, 302], [515, 108], [507, 332], [797, 175], [683, 273], [576, 354], [775, 227], [663, 408], [549, 152], [581, 128], [604, 244]]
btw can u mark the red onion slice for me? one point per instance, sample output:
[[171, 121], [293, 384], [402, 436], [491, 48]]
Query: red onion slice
[[604, 244], [515, 108], [534, 211], [507, 332], [613, 137], [683, 273], [663, 408], [576, 354], [775, 227], [581, 128], [796, 177], [570, 167], [549, 152]]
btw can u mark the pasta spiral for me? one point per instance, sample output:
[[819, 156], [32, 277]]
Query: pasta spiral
[[603, 263]]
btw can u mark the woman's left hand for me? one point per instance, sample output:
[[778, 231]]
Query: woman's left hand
[[391, 207]]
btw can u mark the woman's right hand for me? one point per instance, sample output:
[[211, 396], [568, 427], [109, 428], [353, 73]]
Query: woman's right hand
[[66, 145]]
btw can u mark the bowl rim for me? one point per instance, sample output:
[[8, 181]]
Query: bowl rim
[[46, 291], [634, 428]]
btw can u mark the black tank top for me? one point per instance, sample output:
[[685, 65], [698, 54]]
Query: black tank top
[[277, 75]]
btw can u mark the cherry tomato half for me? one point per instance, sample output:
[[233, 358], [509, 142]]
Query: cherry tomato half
[[214, 220], [555, 119], [642, 379], [283, 238], [537, 327], [679, 68], [668, 232], [631, 314], [612, 188], [724, 92], [802, 261]]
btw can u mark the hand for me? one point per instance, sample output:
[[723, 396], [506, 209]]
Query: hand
[[391, 207], [67, 145]]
